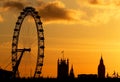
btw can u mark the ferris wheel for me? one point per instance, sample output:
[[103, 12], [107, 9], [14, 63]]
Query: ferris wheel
[[18, 52]]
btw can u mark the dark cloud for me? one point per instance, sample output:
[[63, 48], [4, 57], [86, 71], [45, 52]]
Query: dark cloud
[[104, 2], [13, 5], [93, 1], [55, 11]]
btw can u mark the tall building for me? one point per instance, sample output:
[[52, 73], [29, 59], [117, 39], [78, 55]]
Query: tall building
[[101, 69], [62, 68]]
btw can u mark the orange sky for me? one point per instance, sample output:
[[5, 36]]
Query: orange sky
[[84, 29]]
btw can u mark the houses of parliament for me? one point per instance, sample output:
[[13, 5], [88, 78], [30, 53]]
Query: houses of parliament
[[63, 70]]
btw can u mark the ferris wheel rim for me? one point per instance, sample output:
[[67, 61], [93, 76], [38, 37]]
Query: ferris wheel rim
[[40, 36]]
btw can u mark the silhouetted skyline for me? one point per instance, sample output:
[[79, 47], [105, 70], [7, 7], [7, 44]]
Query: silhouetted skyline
[[82, 28]]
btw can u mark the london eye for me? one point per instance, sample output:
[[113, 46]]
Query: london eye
[[19, 50]]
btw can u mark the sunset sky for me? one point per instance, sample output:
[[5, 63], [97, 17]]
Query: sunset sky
[[84, 29]]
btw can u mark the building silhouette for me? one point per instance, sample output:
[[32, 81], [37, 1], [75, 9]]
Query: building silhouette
[[5, 74], [62, 68], [101, 69], [87, 76]]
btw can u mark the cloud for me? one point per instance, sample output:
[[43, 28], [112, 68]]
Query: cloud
[[56, 11], [93, 1], [10, 5], [104, 2], [13, 5]]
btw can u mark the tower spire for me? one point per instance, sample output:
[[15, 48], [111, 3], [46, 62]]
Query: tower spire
[[101, 68], [101, 53], [101, 59], [72, 72]]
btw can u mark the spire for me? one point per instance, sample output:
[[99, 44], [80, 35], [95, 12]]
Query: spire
[[72, 68], [72, 72], [101, 68], [101, 60]]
